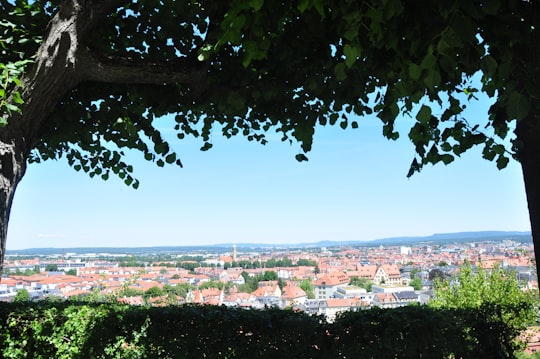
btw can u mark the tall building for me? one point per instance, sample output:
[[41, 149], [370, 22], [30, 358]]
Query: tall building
[[234, 252]]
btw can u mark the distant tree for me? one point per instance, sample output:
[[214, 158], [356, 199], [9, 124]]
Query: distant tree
[[22, 296], [362, 283], [284, 262], [245, 275], [281, 283], [179, 289], [187, 265], [307, 286], [37, 269], [127, 291], [212, 284], [51, 268], [416, 283], [153, 292], [269, 275], [414, 272], [442, 264], [71, 271], [306, 262], [250, 285], [436, 274]]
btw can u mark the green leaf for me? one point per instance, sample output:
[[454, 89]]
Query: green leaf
[[161, 148], [502, 162], [302, 5], [414, 71], [170, 158], [518, 106], [206, 146], [319, 7], [17, 97], [491, 7], [488, 65], [340, 71], [424, 114], [333, 118], [256, 4], [352, 52], [432, 79], [12, 107], [447, 158], [301, 157]]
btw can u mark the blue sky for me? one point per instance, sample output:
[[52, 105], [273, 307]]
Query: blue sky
[[354, 187]]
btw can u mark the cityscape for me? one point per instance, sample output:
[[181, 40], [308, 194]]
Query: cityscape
[[318, 280]]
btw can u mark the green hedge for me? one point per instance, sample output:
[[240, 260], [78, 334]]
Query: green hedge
[[88, 330]]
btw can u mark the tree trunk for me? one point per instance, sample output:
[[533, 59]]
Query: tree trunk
[[12, 168], [54, 74], [528, 140]]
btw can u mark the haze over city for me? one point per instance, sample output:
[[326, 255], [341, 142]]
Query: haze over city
[[354, 187]]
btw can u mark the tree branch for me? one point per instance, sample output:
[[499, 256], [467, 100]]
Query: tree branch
[[129, 71]]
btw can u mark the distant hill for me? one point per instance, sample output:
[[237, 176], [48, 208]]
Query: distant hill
[[439, 238], [460, 237]]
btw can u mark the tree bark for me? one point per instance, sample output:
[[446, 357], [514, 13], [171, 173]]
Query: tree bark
[[528, 140], [12, 168]]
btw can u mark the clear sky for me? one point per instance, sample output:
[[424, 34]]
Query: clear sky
[[354, 187]]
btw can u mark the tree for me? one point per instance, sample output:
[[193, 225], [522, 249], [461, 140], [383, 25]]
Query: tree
[[307, 286], [416, 283], [51, 267], [415, 272], [269, 275], [362, 283], [212, 284], [281, 283], [22, 296], [85, 79], [250, 283], [436, 274], [181, 290], [472, 289], [494, 295], [71, 271], [153, 292]]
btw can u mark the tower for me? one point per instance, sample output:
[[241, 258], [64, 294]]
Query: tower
[[234, 252]]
